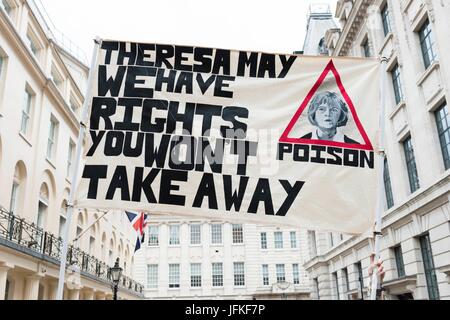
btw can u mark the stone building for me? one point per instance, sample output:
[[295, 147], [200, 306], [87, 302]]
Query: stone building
[[41, 94], [413, 36]]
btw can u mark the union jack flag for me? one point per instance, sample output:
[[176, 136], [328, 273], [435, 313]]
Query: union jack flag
[[139, 223]]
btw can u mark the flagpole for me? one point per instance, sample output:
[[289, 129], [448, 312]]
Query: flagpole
[[70, 206], [380, 184], [91, 225]]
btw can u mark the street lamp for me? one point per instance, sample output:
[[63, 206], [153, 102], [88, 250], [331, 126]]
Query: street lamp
[[116, 273]]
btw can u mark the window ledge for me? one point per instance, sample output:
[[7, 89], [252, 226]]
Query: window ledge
[[427, 72], [25, 138], [387, 38], [397, 108]]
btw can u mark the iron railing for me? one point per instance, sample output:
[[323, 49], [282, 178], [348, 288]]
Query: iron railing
[[18, 231]]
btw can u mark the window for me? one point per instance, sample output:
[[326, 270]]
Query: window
[[216, 234], [397, 84], [366, 48], [295, 274], [91, 245], [336, 284], [153, 236], [196, 233], [6, 6], [443, 126], [387, 185], [399, 261], [174, 231], [312, 242], [278, 240], [239, 274], [263, 240], [42, 206], [70, 154], [52, 138], [174, 275], [411, 165], [316, 285], [57, 79], [430, 271], [345, 276], [427, 43], [32, 43], [360, 276], [238, 233], [62, 219], [26, 112], [331, 240], [73, 104], [217, 274], [281, 276], [293, 239], [265, 274], [196, 275], [152, 276], [14, 194], [386, 19]]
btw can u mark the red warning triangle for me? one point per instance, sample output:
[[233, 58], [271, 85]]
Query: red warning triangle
[[367, 145]]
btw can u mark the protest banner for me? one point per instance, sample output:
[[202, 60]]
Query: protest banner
[[232, 135]]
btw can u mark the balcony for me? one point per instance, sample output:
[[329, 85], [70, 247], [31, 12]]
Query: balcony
[[18, 234]]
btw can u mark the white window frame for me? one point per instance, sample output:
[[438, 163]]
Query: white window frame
[[265, 274], [293, 237], [278, 242], [26, 112], [217, 274], [151, 235], [239, 274], [152, 276], [52, 138], [263, 240], [295, 273], [174, 241], [216, 234], [174, 276], [195, 232], [281, 273], [237, 233], [196, 275]]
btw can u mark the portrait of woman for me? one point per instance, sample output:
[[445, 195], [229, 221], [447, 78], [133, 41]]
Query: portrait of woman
[[328, 112]]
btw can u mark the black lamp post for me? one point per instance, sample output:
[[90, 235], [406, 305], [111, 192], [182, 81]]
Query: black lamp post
[[116, 273]]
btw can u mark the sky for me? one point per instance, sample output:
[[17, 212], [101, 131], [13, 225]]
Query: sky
[[260, 25]]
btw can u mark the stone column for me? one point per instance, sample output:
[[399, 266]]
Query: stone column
[[100, 296], [31, 291], [88, 294], [53, 290], [3, 278], [74, 294]]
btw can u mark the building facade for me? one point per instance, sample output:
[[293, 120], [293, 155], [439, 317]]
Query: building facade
[[415, 247], [41, 95], [198, 259]]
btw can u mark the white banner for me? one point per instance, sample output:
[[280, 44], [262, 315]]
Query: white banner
[[235, 136]]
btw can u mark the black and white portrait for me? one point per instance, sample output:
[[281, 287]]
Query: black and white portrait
[[327, 113]]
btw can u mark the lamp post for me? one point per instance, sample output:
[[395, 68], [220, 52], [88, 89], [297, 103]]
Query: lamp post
[[116, 273]]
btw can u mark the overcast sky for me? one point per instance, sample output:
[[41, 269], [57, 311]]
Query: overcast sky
[[264, 25]]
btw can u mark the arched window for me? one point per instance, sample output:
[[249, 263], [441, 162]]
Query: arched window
[[62, 218], [92, 242], [42, 206], [103, 247], [111, 257], [17, 188], [80, 224]]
